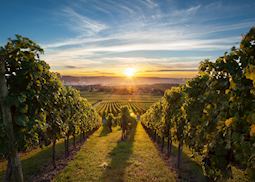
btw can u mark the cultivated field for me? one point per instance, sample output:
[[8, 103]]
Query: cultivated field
[[114, 107], [111, 103], [94, 97]]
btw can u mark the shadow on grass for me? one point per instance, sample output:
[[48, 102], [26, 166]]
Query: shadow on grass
[[105, 131], [35, 160], [191, 169], [119, 158]]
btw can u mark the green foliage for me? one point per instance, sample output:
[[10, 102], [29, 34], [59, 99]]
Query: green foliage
[[110, 121], [127, 118], [42, 108], [214, 112], [26, 76]]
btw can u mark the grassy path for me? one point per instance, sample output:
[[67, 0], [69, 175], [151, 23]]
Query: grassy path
[[105, 158], [33, 161]]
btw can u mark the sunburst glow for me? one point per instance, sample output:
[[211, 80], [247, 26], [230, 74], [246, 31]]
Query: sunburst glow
[[129, 72]]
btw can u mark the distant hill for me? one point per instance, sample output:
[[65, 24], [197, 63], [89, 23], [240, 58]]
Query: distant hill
[[115, 81]]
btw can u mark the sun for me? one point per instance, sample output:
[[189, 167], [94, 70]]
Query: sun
[[129, 72]]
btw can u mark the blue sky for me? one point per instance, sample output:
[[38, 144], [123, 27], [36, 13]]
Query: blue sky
[[164, 38]]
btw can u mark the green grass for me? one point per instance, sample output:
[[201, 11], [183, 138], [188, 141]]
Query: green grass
[[105, 158], [33, 161], [192, 167]]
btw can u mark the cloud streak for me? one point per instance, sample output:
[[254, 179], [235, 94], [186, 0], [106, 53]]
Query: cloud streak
[[144, 26], [81, 23], [173, 70]]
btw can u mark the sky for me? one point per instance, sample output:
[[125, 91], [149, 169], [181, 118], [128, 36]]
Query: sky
[[158, 38]]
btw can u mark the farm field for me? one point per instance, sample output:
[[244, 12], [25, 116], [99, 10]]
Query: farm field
[[94, 97], [111, 103], [136, 159], [119, 91], [114, 107], [110, 153]]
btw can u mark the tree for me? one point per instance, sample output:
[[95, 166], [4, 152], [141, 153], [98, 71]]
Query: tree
[[14, 165], [126, 121], [52, 113], [167, 122], [24, 72], [41, 109], [175, 101], [109, 121], [214, 112]]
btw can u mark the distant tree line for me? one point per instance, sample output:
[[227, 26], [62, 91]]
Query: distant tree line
[[154, 89]]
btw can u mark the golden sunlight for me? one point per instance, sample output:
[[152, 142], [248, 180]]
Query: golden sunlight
[[129, 72]]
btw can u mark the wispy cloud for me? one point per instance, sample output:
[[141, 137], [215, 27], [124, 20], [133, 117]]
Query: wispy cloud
[[186, 13], [82, 23], [71, 67], [144, 26], [173, 70]]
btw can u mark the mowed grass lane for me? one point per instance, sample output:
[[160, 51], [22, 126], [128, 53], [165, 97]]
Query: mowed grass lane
[[105, 158]]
